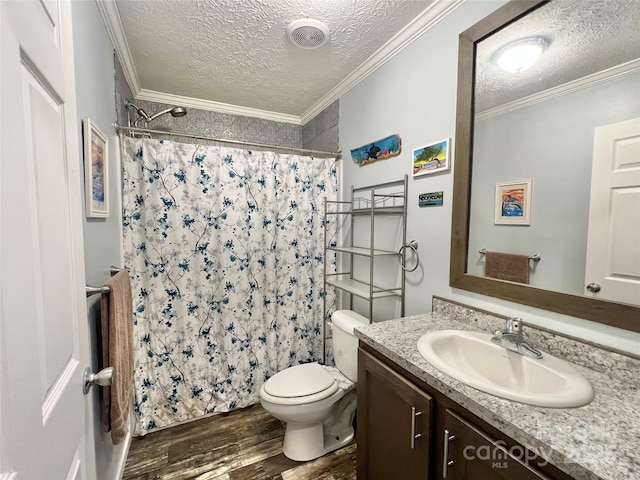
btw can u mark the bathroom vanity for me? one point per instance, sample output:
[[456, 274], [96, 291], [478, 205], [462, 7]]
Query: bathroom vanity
[[415, 422]]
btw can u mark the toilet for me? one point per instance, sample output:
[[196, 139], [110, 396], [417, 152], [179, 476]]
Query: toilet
[[318, 402]]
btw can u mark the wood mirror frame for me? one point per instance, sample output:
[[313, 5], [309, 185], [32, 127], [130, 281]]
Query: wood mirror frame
[[602, 311]]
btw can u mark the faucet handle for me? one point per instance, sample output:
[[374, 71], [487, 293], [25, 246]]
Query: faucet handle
[[514, 325]]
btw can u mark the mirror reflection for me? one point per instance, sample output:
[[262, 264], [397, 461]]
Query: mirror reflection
[[556, 151]]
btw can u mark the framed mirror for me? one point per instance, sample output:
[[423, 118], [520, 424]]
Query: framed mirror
[[525, 143]]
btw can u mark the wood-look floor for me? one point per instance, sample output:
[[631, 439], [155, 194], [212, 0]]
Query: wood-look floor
[[241, 445]]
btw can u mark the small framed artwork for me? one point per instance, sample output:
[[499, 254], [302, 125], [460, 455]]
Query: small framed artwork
[[96, 171], [513, 203], [431, 158]]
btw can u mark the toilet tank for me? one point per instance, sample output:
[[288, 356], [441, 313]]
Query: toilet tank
[[345, 343]]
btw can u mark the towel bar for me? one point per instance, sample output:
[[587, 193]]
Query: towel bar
[[93, 290], [535, 257]]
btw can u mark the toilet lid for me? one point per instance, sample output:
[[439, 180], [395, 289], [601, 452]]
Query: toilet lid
[[298, 381]]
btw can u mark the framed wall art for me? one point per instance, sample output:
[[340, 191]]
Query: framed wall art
[[431, 158], [96, 171], [513, 203]]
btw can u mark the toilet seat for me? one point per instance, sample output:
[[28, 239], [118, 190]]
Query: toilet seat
[[306, 383]]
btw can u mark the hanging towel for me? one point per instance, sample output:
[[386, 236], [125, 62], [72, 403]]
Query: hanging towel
[[117, 352], [507, 266]]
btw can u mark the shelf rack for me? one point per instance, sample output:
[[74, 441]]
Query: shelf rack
[[369, 202]]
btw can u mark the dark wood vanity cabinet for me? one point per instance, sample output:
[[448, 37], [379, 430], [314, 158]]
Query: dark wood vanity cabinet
[[409, 431], [394, 421], [471, 454]]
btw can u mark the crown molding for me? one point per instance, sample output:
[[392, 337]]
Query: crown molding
[[430, 17], [564, 89], [161, 97], [112, 21]]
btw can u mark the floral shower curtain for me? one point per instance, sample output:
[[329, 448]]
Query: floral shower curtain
[[225, 252]]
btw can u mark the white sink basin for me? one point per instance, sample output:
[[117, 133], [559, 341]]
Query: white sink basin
[[471, 358]]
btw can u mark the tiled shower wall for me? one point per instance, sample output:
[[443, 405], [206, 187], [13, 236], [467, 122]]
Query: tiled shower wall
[[227, 126], [123, 92], [321, 133]]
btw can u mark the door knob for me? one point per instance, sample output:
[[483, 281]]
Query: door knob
[[102, 378], [593, 287]]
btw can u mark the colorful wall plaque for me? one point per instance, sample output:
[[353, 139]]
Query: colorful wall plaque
[[380, 150], [430, 199]]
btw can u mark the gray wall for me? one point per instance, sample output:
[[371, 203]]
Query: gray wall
[[321, 132], [95, 99], [222, 125], [414, 95], [123, 91], [560, 175]]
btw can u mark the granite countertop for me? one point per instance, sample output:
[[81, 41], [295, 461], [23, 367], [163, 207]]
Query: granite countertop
[[598, 441]]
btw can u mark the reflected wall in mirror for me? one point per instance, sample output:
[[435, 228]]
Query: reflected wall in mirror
[[576, 108]]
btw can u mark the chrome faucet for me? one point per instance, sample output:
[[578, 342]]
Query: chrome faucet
[[512, 338]]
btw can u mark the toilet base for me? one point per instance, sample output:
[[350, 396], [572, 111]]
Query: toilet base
[[334, 442], [308, 442]]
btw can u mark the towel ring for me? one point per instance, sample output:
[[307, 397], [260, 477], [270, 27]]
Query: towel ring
[[413, 245]]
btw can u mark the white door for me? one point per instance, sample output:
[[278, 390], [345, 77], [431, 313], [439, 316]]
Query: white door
[[43, 331], [613, 245]]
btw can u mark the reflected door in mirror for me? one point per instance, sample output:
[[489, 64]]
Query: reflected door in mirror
[[613, 253]]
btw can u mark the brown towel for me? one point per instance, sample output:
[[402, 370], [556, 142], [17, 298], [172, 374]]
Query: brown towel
[[507, 266], [117, 352]]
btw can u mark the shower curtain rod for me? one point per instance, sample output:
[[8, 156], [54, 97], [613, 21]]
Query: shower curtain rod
[[120, 128]]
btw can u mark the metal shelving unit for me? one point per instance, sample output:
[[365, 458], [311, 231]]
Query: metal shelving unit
[[367, 202]]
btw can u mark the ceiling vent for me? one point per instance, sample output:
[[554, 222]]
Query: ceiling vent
[[308, 33]]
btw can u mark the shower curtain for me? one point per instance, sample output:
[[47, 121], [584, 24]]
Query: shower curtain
[[225, 252]]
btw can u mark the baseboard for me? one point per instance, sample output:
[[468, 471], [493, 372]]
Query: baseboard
[[124, 452]]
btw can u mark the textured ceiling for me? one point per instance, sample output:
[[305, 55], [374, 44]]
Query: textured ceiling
[[236, 51], [586, 36]]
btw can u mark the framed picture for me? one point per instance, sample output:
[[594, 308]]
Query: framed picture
[[431, 158], [513, 202], [96, 171]]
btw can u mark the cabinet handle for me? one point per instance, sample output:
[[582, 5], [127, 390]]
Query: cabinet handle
[[445, 457], [414, 435]]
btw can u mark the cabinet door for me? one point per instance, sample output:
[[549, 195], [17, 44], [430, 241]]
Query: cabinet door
[[394, 419], [470, 454]]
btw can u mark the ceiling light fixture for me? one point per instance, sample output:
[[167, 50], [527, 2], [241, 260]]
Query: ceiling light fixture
[[521, 54], [308, 33]]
